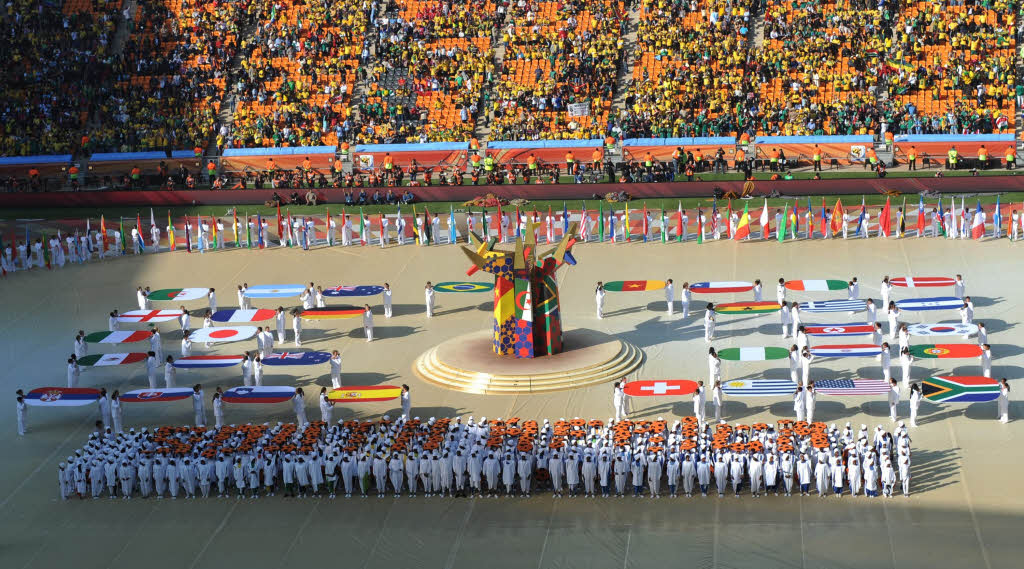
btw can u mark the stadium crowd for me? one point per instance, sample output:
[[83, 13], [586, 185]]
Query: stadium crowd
[[102, 75]]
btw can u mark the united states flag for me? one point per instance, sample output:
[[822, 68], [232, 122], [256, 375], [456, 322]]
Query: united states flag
[[851, 387]]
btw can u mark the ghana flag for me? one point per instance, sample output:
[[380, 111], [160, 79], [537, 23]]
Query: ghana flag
[[633, 286], [759, 307]]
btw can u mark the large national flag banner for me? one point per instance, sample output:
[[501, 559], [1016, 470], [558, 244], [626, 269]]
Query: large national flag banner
[[851, 386], [625, 224], [62, 396], [766, 227], [679, 221], [963, 218], [112, 359], [780, 232], [118, 337], [810, 219], [259, 394], [794, 220], [282, 236], [728, 221], [643, 224], [920, 216], [451, 224], [700, 226], [997, 219], [743, 227], [138, 230], [885, 220], [214, 236], [362, 227], [903, 218], [124, 246], [170, 230], [611, 224], [837, 218], [103, 233], [497, 220], [860, 219], [714, 215], [551, 226], [288, 230], [157, 395], [198, 361], [824, 217], [978, 224]]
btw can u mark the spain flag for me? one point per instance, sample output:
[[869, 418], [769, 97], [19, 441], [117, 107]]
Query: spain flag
[[743, 227]]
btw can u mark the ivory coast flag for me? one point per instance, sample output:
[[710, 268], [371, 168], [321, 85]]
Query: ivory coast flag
[[743, 227]]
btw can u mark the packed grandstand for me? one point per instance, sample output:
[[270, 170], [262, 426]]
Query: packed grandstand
[[203, 79]]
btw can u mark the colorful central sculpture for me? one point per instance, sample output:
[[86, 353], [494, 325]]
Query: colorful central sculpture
[[527, 321]]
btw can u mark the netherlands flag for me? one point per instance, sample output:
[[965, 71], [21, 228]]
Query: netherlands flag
[[848, 350]]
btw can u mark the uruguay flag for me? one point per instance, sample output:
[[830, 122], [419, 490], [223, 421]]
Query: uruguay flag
[[978, 224]]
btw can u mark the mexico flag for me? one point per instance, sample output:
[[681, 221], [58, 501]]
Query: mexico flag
[[111, 359]]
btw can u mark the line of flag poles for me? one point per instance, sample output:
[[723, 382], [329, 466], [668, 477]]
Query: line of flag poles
[[954, 224]]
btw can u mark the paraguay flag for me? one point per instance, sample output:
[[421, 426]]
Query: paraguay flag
[[978, 225]]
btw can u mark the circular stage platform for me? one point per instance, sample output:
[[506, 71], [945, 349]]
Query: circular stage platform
[[467, 364]]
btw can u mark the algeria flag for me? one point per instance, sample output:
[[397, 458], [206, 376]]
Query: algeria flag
[[111, 359], [179, 294]]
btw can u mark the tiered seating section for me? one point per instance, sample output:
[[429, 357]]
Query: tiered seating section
[[173, 75], [433, 61], [56, 73], [955, 66], [298, 73], [558, 54], [427, 69], [689, 71]]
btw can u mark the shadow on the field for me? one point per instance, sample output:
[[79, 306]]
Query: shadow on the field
[[994, 325], [623, 311], [1005, 351], [982, 301], [382, 332], [933, 469], [424, 413]]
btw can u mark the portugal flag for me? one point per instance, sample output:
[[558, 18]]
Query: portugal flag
[[743, 227]]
